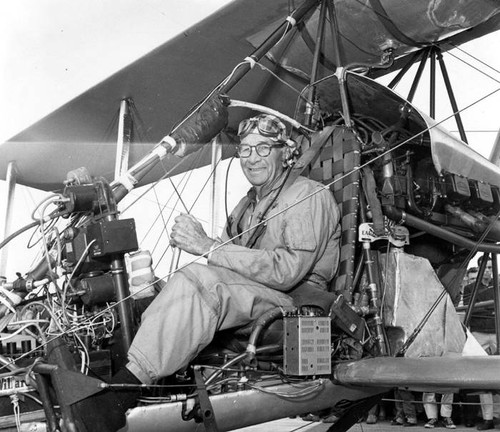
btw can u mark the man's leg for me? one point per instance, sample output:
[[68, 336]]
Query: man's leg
[[399, 415], [195, 303], [430, 406], [409, 407], [489, 343], [182, 320], [486, 405], [446, 404], [474, 346]]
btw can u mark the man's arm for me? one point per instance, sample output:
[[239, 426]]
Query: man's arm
[[300, 237], [280, 269], [304, 233]]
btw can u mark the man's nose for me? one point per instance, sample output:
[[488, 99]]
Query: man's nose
[[254, 157]]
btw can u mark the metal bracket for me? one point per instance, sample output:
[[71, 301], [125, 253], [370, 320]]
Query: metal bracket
[[206, 410]]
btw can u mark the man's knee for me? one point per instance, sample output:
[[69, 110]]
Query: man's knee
[[196, 284], [194, 272], [181, 290]]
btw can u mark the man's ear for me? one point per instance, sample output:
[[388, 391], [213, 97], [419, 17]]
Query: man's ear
[[290, 156], [287, 156]]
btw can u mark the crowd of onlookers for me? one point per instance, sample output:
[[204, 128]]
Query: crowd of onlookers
[[408, 408], [482, 410]]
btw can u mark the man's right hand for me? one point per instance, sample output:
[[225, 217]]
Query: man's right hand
[[189, 235]]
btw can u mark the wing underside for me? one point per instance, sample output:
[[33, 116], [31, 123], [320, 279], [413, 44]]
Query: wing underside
[[163, 85]]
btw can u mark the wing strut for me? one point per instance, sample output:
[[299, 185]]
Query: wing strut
[[296, 16], [314, 70], [11, 188], [451, 95], [496, 293], [340, 72], [495, 151], [125, 130]]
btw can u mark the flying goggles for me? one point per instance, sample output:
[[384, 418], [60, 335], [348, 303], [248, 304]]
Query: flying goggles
[[267, 125]]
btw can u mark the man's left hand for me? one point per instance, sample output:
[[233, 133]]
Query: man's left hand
[[189, 235]]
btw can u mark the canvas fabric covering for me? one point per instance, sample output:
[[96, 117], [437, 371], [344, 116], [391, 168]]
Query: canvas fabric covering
[[410, 288]]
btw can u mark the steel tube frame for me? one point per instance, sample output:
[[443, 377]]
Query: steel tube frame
[[432, 84], [262, 50], [11, 180], [451, 96], [369, 259], [472, 301], [418, 75], [341, 71], [399, 215], [124, 139], [314, 69], [496, 297], [404, 70]]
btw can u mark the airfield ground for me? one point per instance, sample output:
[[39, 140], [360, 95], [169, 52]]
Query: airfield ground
[[298, 425]]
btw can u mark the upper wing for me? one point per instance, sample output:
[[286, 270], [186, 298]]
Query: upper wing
[[164, 84]]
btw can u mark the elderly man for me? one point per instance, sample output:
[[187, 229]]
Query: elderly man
[[253, 268]]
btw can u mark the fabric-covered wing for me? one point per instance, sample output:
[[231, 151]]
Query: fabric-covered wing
[[163, 85]]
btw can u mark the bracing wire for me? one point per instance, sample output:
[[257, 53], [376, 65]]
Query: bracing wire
[[476, 59], [226, 212], [193, 204]]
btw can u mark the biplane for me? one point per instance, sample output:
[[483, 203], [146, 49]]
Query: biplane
[[417, 204]]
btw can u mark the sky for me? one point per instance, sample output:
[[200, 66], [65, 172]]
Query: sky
[[53, 50], [474, 71]]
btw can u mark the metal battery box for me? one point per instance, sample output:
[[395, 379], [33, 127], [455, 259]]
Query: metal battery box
[[307, 345], [111, 237]]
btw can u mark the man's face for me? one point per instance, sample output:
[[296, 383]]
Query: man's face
[[261, 171], [471, 277], [487, 273]]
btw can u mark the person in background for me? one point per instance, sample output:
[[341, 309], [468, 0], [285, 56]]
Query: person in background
[[469, 280], [431, 411], [482, 327], [472, 275], [376, 413], [482, 322], [406, 414]]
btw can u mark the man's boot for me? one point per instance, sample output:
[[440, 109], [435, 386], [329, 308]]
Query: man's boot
[[106, 410]]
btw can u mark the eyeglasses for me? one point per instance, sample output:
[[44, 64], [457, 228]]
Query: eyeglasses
[[262, 149], [267, 125]]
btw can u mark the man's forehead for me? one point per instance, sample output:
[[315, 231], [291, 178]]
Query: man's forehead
[[255, 138]]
